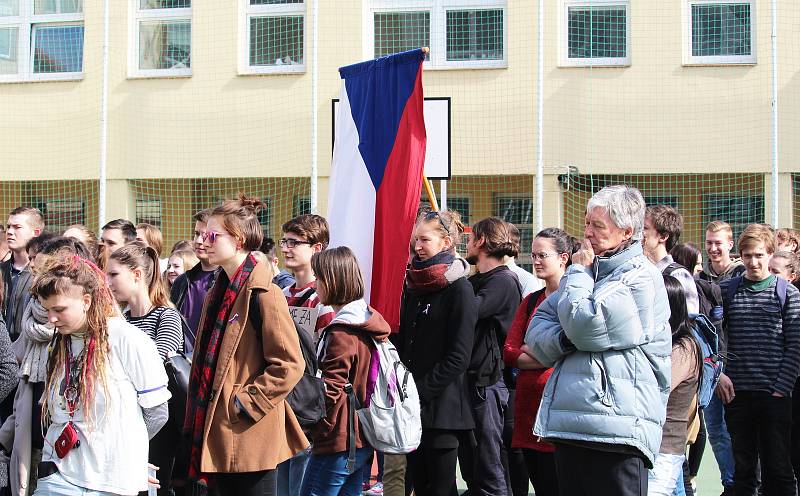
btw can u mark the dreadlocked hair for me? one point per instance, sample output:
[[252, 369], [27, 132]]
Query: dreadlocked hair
[[62, 275]]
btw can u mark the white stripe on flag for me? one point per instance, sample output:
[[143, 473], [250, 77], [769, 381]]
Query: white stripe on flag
[[351, 194]]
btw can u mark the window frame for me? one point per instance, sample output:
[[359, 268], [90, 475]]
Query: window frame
[[691, 60], [137, 15], [563, 35], [438, 29], [246, 12], [26, 22], [524, 257]]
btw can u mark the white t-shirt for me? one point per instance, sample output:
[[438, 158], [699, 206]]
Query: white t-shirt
[[112, 456]]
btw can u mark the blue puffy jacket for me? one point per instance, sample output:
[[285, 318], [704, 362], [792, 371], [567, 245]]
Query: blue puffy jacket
[[606, 332]]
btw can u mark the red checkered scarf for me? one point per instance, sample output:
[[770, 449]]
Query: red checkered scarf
[[205, 357]]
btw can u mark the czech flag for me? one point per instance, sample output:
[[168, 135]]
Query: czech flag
[[376, 175]]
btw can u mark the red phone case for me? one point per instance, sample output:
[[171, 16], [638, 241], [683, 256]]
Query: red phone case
[[67, 440]]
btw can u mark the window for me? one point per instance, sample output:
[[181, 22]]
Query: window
[[461, 205], [719, 32], [161, 38], [738, 210], [302, 206], [265, 217], [148, 209], [460, 33], [41, 40], [274, 37], [595, 33], [60, 214], [668, 200], [518, 210]]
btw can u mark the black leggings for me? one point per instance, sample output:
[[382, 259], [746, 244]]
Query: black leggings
[[433, 464], [263, 483], [541, 471]]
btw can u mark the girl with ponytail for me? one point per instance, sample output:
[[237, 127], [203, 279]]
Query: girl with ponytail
[[238, 426], [105, 391], [134, 277]]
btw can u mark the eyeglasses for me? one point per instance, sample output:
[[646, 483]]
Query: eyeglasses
[[291, 243], [435, 215], [211, 236], [542, 255]]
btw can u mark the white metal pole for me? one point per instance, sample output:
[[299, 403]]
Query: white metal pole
[[314, 105], [443, 194], [540, 122], [775, 113], [101, 214]]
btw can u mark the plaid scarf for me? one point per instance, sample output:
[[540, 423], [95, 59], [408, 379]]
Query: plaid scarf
[[206, 354]]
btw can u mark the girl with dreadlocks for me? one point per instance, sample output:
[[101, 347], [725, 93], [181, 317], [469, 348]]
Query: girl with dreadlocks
[[105, 392], [246, 360]]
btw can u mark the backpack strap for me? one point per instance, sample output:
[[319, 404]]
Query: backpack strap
[[672, 267], [532, 302], [351, 428], [781, 286]]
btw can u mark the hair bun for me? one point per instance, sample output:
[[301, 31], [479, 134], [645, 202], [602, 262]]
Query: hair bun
[[251, 203]]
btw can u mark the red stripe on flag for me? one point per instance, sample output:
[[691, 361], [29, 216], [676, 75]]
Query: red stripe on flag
[[396, 209]]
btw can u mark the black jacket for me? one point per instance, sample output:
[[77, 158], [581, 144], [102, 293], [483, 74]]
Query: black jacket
[[177, 294], [18, 298], [435, 342], [498, 295]]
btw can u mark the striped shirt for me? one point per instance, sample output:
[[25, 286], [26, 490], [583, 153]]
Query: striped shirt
[[163, 325], [763, 338], [295, 295]]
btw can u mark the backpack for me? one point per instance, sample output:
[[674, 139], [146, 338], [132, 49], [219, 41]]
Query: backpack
[[709, 296], [391, 420], [307, 398], [707, 339]]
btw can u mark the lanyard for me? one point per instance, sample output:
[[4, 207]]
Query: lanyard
[[70, 389]]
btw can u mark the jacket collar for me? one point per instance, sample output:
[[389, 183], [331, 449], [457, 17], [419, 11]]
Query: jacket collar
[[604, 266]]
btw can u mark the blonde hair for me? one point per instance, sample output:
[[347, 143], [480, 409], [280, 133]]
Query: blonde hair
[[754, 234], [189, 259], [62, 275], [719, 225], [448, 224]]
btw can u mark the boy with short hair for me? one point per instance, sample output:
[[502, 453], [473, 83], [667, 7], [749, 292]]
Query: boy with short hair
[[302, 237], [719, 264], [763, 361]]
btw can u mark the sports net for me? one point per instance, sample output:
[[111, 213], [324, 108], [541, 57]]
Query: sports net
[[209, 100]]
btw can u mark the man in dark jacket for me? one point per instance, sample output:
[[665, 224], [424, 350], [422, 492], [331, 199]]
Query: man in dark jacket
[[498, 294], [189, 290]]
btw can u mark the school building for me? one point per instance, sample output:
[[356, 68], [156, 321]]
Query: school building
[[178, 104]]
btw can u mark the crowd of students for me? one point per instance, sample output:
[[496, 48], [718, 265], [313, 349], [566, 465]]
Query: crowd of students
[[581, 380]]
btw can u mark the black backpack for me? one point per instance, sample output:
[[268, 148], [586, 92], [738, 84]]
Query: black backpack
[[307, 399], [709, 296]]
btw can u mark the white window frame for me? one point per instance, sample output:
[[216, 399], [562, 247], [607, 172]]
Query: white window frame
[[137, 15], [689, 59], [438, 29], [247, 11], [26, 21], [563, 35]]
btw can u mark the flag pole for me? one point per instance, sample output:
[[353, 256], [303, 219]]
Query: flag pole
[[425, 181]]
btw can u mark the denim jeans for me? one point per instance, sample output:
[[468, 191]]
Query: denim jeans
[[761, 428], [327, 475], [56, 485], [680, 488], [720, 439], [290, 473], [663, 477]]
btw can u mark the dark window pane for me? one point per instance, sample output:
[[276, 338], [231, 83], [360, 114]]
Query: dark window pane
[[58, 49], [276, 40], [721, 30], [475, 34], [597, 32], [400, 31]]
